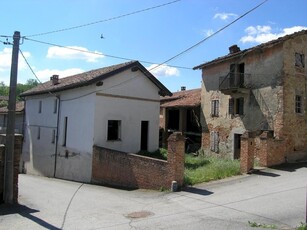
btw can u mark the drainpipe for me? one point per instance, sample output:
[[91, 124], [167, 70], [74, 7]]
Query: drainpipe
[[57, 135]]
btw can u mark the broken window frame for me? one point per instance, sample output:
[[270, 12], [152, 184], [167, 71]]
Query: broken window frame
[[300, 60], [236, 106]]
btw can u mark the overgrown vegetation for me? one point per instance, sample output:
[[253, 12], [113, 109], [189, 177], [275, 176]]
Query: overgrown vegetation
[[207, 168], [200, 169]]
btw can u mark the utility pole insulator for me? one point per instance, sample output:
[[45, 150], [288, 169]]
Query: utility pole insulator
[[10, 129]]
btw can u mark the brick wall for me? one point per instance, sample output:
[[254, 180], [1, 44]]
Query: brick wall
[[247, 152], [17, 153], [127, 170]]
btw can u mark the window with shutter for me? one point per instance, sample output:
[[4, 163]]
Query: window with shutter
[[215, 104], [240, 106], [231, 106], [214, 141]]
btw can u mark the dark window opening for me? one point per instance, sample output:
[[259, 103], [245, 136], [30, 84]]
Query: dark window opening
[[40, 107], [144, 135], [193, 120], [236, 106], [173, 119], [298, 104], [65, 130], [38, 133], [299, 60], [114, 127], [55, 106], [237, 146]]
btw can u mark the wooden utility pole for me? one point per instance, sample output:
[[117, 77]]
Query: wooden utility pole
[[10, 130]]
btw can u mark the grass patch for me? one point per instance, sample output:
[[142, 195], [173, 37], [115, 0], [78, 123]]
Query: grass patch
[[204, 168], [201, 168]]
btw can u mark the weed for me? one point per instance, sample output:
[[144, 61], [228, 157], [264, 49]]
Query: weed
[[259, 225], [303, 226]]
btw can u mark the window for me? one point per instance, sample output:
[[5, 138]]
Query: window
[[38, 133], [300, 60], [65, 130], [236, 106], [53, 136], [215, 108], [40, 107], [55, 106], [114, 128], [214, 141], [298, 104]]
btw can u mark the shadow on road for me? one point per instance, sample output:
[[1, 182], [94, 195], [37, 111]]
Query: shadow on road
[[198, 191], [263, 173], [26, 212], [290, 167]]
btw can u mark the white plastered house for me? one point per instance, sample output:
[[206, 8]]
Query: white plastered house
[[115, 107]]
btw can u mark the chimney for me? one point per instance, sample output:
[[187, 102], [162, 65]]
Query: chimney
[[183, 88], [54, 79], [234, 49]]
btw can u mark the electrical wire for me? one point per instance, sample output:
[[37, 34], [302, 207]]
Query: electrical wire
[[101, 54], [210, 36], [103, 20], [33, 71]]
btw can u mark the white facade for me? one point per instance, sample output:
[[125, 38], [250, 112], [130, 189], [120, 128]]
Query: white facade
[[80, 117]]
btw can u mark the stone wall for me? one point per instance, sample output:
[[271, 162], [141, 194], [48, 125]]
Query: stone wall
[[134, 171], [17, 153]]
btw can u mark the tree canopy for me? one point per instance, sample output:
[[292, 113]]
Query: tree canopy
[[4, 89]]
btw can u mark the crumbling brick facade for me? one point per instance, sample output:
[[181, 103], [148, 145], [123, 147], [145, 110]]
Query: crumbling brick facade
[[110, 167], [261, 90]]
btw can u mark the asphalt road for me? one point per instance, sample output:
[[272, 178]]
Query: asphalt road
[[268, 197]]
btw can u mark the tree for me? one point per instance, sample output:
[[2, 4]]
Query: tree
[[4, 90]]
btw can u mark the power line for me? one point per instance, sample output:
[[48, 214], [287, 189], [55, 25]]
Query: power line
[[101, 54], [210, 36], [103, 20], [33, 71]]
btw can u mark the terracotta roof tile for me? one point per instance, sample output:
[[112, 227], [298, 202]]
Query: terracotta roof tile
[[186, 98], [91, 77], [19, 107]]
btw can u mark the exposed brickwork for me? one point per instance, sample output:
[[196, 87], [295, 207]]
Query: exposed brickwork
[[121, 169], [247, 153], [269, 100], [17, 153]]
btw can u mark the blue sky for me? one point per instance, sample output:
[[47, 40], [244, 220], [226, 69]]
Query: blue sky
[[153, 35]]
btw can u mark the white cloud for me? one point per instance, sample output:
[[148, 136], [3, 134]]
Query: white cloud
[[44, 75], [224, 16], [6, 59], [74, 52], [208, 32], [163, 70], [261, 34]]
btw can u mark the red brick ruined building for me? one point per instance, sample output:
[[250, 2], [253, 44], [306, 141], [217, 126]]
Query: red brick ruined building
[[259, 92]]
